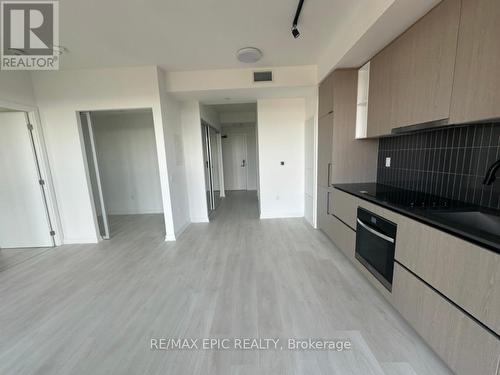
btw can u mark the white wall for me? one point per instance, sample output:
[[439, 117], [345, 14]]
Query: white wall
[[128, 163], [210, 115], [59, 95], [193, 153], [249, 131], [176, 161], [281, 138], [223, 79], [16, 88], [238, 117]]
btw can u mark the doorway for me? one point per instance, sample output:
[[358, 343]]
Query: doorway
[[211, 151], [235, 157], [123, 172], [24, 214]]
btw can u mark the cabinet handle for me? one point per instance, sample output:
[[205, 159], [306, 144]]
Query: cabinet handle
[[328, 203], [329, 172]]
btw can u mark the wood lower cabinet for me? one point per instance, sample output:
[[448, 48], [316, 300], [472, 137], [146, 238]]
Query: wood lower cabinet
[[467, 274], [411, 79], [323, 196], [344, 206], [476, 88], [463, 344], [340, 234]]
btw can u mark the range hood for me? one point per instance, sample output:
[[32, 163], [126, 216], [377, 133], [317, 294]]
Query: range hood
[[418, 127]]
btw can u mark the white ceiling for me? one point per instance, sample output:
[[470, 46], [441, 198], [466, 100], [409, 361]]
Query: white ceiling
[[234, 108], [196, 34]]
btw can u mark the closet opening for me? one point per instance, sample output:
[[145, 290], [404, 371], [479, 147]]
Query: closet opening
[[123, 172]]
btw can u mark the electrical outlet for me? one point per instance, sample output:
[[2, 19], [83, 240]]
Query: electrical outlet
[[387, 162]]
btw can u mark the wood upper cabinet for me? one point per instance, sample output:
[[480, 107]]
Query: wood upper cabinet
[[341, 157], [380, 95], [325, 96], [411, 79], [353, 160], [476, 90]]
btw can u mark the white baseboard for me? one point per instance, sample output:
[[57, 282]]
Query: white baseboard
[[170, 238], [128, 212], [75, 241], [181, 230], [280, 215], [199, 220]]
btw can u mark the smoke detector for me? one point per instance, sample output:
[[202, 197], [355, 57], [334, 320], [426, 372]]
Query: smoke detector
[[249, 55]]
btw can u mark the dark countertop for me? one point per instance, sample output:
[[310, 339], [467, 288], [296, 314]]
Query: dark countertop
[[428, 209]]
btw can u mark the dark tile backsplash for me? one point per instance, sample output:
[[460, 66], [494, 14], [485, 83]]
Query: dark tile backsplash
[[449, 162]]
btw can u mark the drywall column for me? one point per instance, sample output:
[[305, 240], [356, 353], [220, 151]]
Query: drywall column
[[176, 161], [311, 156], [281, 157], [193, 154]]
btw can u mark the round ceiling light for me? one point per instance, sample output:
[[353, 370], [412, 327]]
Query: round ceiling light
[[249, 55]]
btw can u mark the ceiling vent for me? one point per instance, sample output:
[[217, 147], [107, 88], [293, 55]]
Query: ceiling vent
[[263, 76]]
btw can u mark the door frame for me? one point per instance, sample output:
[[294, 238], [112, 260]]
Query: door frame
[[97, 172], [205, 144], [158, 135], [205, 132], [39, 147]]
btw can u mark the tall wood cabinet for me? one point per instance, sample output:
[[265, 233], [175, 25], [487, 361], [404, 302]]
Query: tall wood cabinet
[[411, 79], [325, 96], [352, 160], [341, 157], [325, 136], [476, 90]]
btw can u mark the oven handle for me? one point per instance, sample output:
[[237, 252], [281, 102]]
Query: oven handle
[[373, 231]]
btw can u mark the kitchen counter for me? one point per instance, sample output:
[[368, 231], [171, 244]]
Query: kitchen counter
[[454, 217]]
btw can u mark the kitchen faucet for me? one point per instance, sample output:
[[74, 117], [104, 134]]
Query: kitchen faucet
[[490, 175]]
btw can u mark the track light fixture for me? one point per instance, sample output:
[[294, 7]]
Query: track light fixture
[[295, 31]]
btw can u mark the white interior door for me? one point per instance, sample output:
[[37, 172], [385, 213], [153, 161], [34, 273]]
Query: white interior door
[[23, 213], [234, 153]]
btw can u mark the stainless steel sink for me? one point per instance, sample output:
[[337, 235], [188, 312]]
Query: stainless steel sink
[[473, 219]]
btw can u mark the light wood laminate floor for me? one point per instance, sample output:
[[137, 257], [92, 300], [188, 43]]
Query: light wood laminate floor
[[93, 309]]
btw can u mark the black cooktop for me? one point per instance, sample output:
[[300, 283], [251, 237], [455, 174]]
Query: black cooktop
[[410, 199], [436, 211]]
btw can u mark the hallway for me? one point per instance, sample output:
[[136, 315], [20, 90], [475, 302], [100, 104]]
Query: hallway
[[100, 305]]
